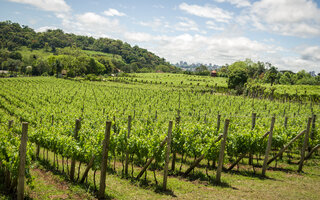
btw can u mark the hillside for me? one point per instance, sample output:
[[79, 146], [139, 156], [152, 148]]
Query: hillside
[[112, 54]]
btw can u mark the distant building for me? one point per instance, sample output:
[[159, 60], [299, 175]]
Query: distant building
[[4, 72], [213, 73], [313, 73]]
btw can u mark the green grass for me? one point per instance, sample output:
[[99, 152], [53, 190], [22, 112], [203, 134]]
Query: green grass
[[295, 89], [27, 53], [108, 55], [283, 182], [41, 53], [179, 80]]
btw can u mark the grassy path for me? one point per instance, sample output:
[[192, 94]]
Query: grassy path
[[47, 185]]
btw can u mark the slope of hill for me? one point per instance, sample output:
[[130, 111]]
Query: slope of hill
[[115, 53]]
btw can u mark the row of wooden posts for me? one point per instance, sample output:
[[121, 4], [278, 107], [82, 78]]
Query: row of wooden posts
[[167, 140]]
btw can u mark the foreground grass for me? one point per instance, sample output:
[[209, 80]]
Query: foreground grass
[[47, 185], [282, 182]]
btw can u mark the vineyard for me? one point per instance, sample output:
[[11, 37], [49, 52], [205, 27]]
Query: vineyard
[[146, 128]]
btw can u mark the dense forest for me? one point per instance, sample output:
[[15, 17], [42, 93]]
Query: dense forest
[[77, 55]]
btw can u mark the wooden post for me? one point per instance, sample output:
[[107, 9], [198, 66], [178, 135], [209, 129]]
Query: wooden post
[[105, 148], [221, 154], [165, 173], [73, 161], [305, 145], [266, 157], [243, 155], [174, 153], [22, 163], [37, 151], [312, 150], [253, 122], [285, 147], [127, 150], [199, 159], [150, 160], [85, 174], [285, 122], [313, 126], [218, 122], [10, 124]]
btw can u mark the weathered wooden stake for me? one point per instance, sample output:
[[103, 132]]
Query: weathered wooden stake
[[221, 153], [10, 124], [285, 147], [165, 173], [218, 122], [22, 163], [174, 154], [105, 149], [127, 149], [285, 122], [313, 126], [195, 163], [266, 157], [85, 174], [305, 145], [73, 161], [243, 155], [150, 160], [253, 124], [37, 151], [52, 120], [312, 150], [253, 121]]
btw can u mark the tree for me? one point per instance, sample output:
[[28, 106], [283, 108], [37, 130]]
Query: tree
[[29, 70], [237, 75], [163, 68], [11, 65], [271, 75], [202, 70], [287, 79]]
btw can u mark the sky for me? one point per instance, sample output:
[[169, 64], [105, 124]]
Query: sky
[[285, 33]]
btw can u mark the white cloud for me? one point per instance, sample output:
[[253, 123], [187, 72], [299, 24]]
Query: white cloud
[[207, 11], [212, 25], [158, 6], [47, 5], [91, 24], [93, 19], [138, 36], [96, 25], [310, 53], [207, 49], [295, 64], [113, 12], [186, 24], [287, 17], [238, 3], [45, 28], [157, 24]]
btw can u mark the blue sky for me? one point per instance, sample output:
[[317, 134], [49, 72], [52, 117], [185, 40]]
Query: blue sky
[[285, 33]]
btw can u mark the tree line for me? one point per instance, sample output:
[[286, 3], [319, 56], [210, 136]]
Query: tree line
[[245, 72], [131, 58]]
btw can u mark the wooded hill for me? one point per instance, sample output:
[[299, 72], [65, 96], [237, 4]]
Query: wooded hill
[[114, 55]]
